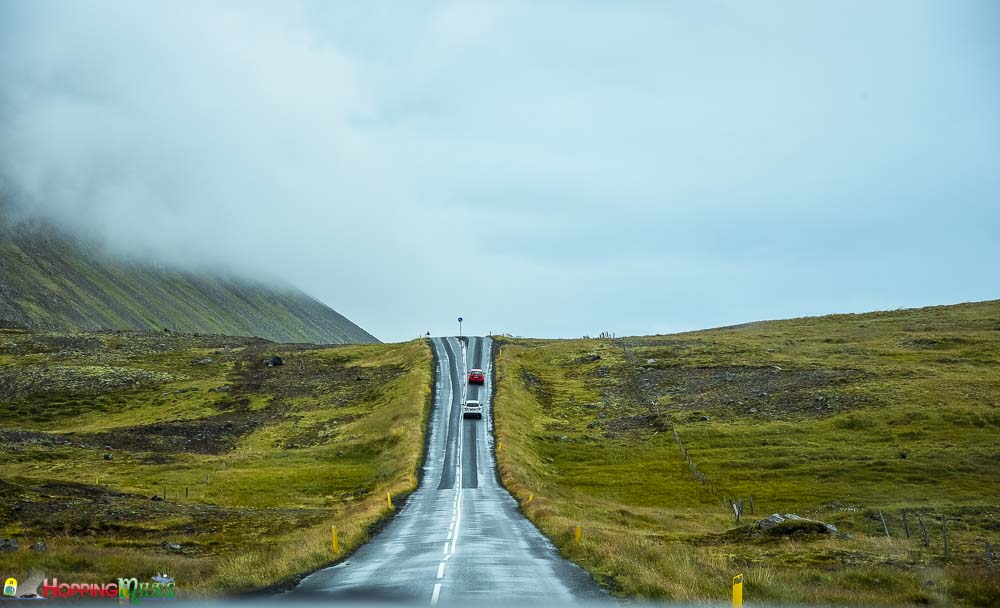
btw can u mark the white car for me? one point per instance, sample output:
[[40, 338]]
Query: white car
[[472, 409]]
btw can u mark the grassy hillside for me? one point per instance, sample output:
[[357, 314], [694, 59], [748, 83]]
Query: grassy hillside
[[257, 462], [836, 419], [53, 282]]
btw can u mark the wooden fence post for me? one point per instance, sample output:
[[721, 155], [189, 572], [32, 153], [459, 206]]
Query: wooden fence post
[[989, 555], [923, 530], [906, 525]]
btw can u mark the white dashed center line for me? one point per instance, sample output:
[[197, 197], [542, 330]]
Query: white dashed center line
[[456, 511]]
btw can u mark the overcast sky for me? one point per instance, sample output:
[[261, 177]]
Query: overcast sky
[[541, 168]]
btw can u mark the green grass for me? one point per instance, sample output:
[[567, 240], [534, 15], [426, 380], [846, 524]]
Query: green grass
[[834, 418], [287, 452]]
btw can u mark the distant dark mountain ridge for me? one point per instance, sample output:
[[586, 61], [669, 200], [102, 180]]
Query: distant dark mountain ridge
[[53, 281]]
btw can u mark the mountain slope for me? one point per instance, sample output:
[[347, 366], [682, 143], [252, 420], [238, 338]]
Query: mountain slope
[[51, 281]]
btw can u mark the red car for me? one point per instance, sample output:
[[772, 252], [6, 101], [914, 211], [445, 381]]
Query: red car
[[476, 376]]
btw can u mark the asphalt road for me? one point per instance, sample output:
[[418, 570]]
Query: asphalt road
[[460, 537]]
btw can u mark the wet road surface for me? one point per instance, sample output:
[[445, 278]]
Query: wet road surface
[[460, 537]]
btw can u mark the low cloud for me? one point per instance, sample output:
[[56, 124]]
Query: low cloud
[[551, 169]]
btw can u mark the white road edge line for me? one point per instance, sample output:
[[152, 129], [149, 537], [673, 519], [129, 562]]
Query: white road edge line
[[458, 523]]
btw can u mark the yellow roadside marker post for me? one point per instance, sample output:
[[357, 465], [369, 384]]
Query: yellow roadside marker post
[[531, 497], [579, 533], [334, 540], [738, 591], [388, 499]]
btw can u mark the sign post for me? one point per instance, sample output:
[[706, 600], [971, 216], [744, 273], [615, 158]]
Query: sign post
[[460, 327]]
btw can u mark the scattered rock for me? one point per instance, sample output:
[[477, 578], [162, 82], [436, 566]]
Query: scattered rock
[[39, 547], [205, 361], [156, 498], [593, 424], [650, 361], [275, 361], [587, 359], [753, 410], [602, 415], [8, 544], [770, 522], [108, 457], [705, 418], [791, 524], [565, 439], [221, 389], [163, 578], [172, 547]]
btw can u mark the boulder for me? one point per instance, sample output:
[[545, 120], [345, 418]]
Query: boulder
[[770, 522], [275, 361], [8, 545], [791, 524], [39, 547], [205, 361]]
